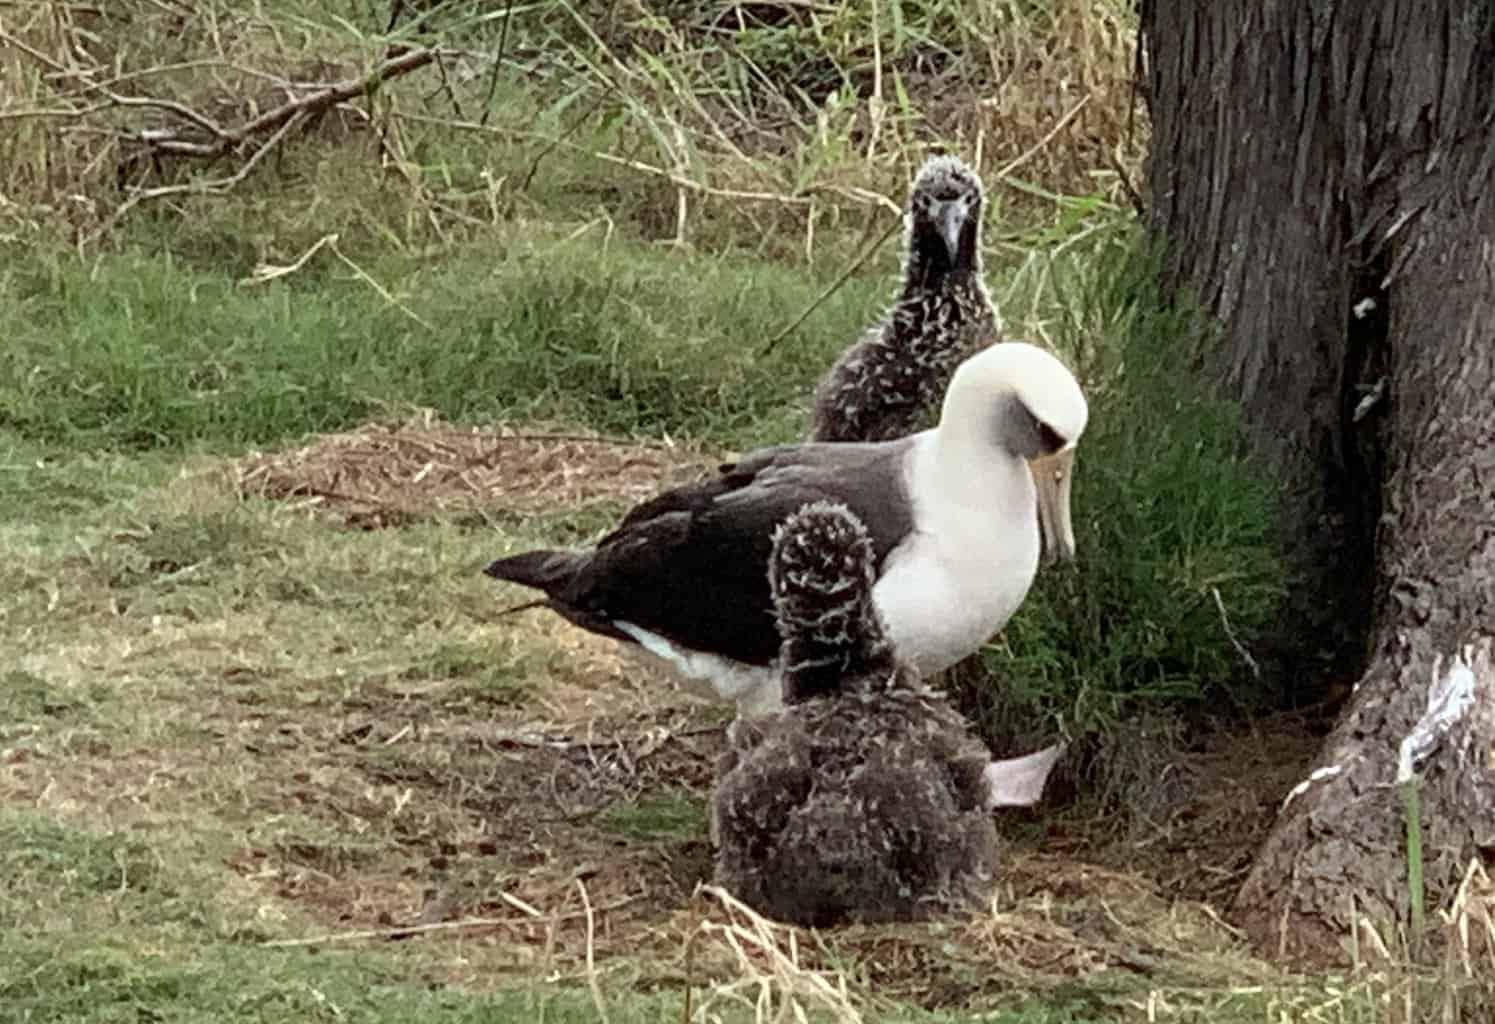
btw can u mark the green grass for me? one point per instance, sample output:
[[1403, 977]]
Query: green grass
[[1176, 556], [75, 866], [25, 696], [41, 481], [665, 815], [115, 984], [146, 352]]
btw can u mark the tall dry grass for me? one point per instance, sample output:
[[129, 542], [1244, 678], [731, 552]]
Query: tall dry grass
[[774, 126]]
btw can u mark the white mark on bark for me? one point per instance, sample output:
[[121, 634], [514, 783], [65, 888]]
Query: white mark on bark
[[1318, 775], [1364, 308], [1450, 696], [1369, 399]]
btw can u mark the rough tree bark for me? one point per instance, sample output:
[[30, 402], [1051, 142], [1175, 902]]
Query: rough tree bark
[[1323, 181]]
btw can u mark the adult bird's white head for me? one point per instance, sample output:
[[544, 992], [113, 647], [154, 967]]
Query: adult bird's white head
[[1025, 400]]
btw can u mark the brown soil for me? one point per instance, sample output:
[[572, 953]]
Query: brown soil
[[501, 824]]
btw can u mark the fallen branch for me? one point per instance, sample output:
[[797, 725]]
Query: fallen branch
[[225, 140], [204, 138]]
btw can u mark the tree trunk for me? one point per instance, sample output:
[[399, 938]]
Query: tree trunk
[[1323, 181]]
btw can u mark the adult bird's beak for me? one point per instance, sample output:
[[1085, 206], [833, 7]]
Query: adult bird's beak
[[951, 221], [1052, 475]]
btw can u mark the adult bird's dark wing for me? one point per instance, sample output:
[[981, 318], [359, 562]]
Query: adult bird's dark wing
[[691, 564]]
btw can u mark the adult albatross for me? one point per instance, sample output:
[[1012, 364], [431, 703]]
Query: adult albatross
[[952, 513]]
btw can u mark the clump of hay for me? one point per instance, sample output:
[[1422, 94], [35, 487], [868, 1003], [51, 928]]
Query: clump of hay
[[384, 475], [770, 979], [1051, 923], [1468, 923]]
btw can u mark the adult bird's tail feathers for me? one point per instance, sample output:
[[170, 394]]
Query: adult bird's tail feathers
[[545, 570], [555, 573]]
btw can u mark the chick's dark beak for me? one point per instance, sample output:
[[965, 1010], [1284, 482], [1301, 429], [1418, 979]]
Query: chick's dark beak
[[951, 220]]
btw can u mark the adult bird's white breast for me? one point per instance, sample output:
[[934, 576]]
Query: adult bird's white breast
[[970, 560]]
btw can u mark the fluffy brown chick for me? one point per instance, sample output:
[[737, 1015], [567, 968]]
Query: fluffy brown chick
[[865, 799]]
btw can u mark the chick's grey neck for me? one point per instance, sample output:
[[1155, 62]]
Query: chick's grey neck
[[933, 272], [839, 650]]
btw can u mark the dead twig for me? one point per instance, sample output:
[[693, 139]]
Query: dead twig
[[364, 276], [832, 288], [265, 272], [59, 112], [517, 903], [34, 53], [204, 138], [163, 139], [216, 186], [1048, 137], [592, 982], [222, 140], [1240, 648], [531, 918], [310, 105]]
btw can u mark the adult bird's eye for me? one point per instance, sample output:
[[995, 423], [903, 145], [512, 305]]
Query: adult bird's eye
[[1049, 438]]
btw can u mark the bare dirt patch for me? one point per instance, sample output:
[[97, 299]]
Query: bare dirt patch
[[1185, 807], [489, 830], [385, 475], [420, 821]]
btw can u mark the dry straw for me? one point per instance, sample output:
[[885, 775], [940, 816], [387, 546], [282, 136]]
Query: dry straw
[[771, 980]]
